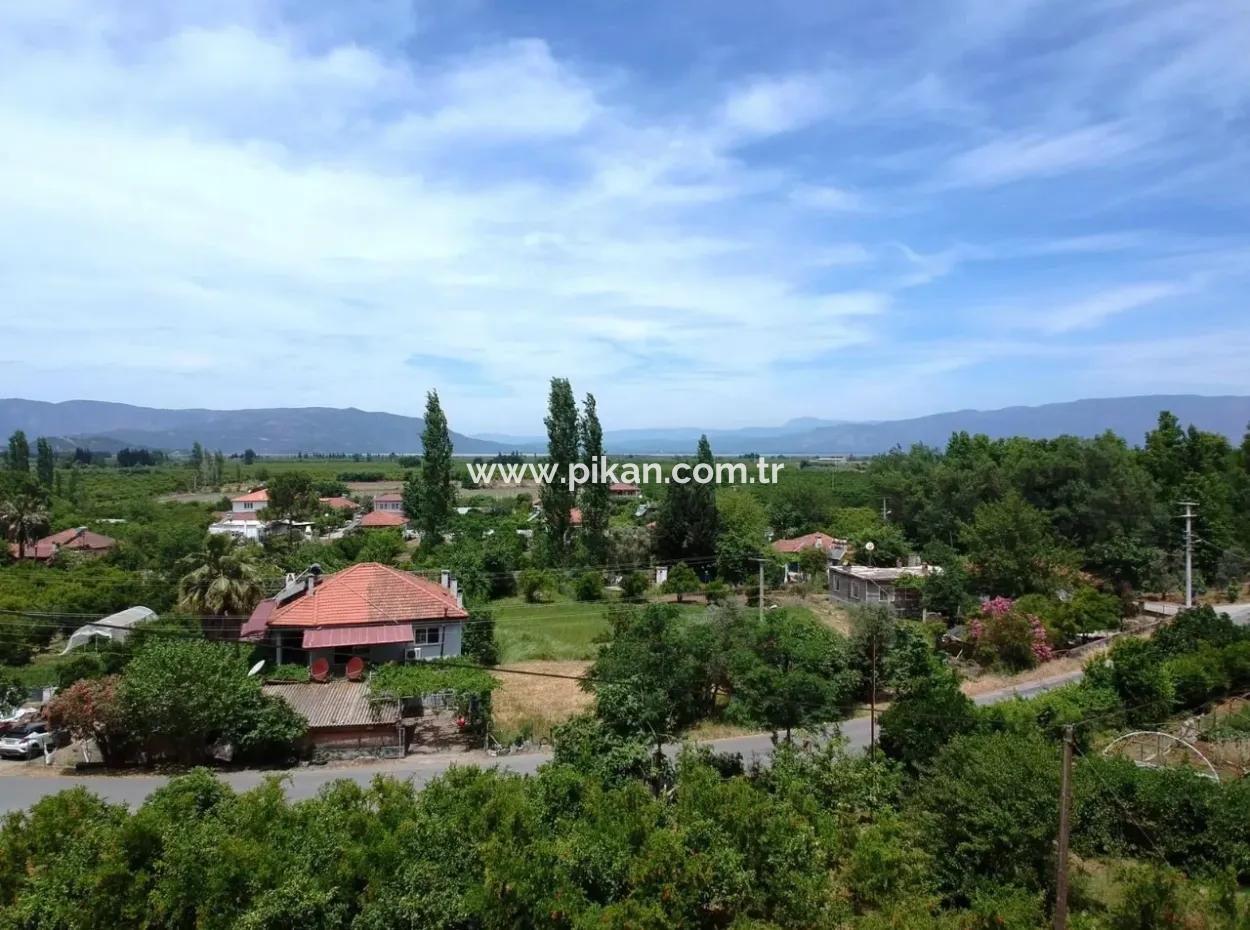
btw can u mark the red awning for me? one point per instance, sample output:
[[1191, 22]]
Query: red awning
[[380, 634]]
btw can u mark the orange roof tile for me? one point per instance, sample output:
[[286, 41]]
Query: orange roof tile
[[261, 496], [339, 503], [376, 518], [79, 538], [799, 543], [368, 593]]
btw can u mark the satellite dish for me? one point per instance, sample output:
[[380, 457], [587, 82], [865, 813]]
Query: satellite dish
[[256, 668], [870, 546], [355, 668]]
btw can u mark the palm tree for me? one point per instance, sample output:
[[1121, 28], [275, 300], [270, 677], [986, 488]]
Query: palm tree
[[223, 578], [23, 518]]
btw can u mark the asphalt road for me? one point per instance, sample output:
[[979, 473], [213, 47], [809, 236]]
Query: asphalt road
[[19, 790]]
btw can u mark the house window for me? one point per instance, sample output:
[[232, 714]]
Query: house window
[[427, 635], [854, 590], [837, 582], [883, 594]]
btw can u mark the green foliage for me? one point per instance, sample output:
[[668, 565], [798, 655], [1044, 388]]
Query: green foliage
[[1191, 629], [1132, 669], [437, 495], [535, 584], [291, 496], [634, 585], [419, 678], [687, 526], [1013, 549], [927, 711], [480, 644], [298, 673], [223, 578], [556, 536], [588, 586], [594, 498], [681, 581]]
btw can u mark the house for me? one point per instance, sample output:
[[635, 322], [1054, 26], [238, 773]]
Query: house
[[369, 610], [339, 503], [389, 502], [341, 717], [624, 490], [383, 519], [835, 551], [244, 525], [79, 539], [251, 502], [867, 584]]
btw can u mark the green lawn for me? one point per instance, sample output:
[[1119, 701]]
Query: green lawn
[[561, 630]]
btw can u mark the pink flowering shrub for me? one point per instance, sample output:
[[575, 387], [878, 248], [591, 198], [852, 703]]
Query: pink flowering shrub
[[1004, 636]]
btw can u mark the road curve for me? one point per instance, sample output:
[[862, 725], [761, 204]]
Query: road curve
[[20, 791]]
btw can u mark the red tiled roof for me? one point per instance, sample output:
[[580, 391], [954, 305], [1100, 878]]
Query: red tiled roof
[[623, 487], [367, 593], [40, 551], [79, 538], [799, 543], [253, 497], [389, 497], [339, 503], [575, 516], [376, 518]]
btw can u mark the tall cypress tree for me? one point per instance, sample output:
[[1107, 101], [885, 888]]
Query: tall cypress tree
[[704, 520], [687, 525], [437, 496], [45, 463], [557, 498], [595, 505], [19, 452]]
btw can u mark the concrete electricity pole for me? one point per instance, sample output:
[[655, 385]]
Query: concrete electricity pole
[[1189, 552]]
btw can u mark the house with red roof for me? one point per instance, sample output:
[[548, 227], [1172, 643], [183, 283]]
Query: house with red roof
[[390, 502], [835, 551], [373, 611], [383, 519], [624, 490], [79, 539], [339, 503]]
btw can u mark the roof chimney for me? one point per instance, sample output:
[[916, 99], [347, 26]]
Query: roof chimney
[[445, 578], [455, 589]]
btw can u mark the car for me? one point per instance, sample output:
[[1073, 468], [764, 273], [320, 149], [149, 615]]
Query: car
[[26, 741]]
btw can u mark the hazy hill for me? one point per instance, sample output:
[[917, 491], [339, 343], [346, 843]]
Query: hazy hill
[[107, 426], [327, 429]]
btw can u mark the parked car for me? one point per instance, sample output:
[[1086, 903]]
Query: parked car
[[26, 741]]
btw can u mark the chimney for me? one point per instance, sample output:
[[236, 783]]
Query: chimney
[[455, 589], [459, 600], [445, 578]]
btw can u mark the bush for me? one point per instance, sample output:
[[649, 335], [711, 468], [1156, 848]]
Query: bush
[[1237, 664], [288, 673], [1132, 670], [635, 585], [535, 585], [927, 712], [1190, 629], [77, 666], [1197, 677], [479, 643], [717, 592], [588, 586], [1006, 636]]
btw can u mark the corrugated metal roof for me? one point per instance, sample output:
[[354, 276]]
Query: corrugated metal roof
[[335, 704], [376, 635]]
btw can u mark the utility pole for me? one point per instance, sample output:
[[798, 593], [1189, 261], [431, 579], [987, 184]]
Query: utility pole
[[1189, 552], [885, 514], [1065, 826], [872, 702]]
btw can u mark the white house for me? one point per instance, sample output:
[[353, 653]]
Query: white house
[[243, 519]]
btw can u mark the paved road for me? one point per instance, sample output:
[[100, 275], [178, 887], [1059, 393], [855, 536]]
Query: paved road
[[19, 791], [1240, 613]]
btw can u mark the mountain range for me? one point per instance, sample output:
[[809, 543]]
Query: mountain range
[[287, 430]]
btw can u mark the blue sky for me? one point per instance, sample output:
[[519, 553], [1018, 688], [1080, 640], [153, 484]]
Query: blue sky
[[714, 214]]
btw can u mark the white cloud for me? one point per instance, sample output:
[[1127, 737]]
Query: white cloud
[[772, 105], [1041, 155], [828, 198], [1092, 311]]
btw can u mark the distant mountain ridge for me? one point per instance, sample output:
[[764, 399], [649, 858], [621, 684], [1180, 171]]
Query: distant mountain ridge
[[287, 430], [272, 431]]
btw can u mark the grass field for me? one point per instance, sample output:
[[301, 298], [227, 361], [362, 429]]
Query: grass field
[[562, 630]]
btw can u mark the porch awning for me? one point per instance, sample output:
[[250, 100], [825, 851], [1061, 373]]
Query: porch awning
[[377, 634]]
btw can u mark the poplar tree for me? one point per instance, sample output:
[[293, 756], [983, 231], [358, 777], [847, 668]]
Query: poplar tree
[[595, 503], [19, 452], [687, 525], [45, 463], [436, 496], [556, 496]]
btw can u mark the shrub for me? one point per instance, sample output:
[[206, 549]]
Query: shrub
[[535, 584], [717, 592], [1237, 664], [1006, 636], [1197, 677], [589, 586], [77, 666], [288, 673], [479, 643], [1132, 670], [635, 585], [1191, 629]]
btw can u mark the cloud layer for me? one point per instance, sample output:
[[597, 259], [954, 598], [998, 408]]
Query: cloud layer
[[260, 204]]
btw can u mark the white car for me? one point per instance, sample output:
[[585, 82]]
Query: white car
[[26, 741]]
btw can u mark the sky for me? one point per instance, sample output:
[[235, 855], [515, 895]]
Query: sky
[[706, 213]]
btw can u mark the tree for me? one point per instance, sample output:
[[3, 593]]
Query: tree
[[249, 456], [23, 513], [19, 453], [743, 526], [681, 581], [45, 463], [926, 712], [480, 644], [595, 497], [1132, 668], [946, 591], [292, 496], [437, 494], [91, 709], [796, 674], [556, 495], [634, 585], [222, 579], [197, 456], [687, 525], [1013, 549]]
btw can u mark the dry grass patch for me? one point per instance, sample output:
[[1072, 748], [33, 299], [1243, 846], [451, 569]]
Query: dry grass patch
[[528, 706], [1046, 670]]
